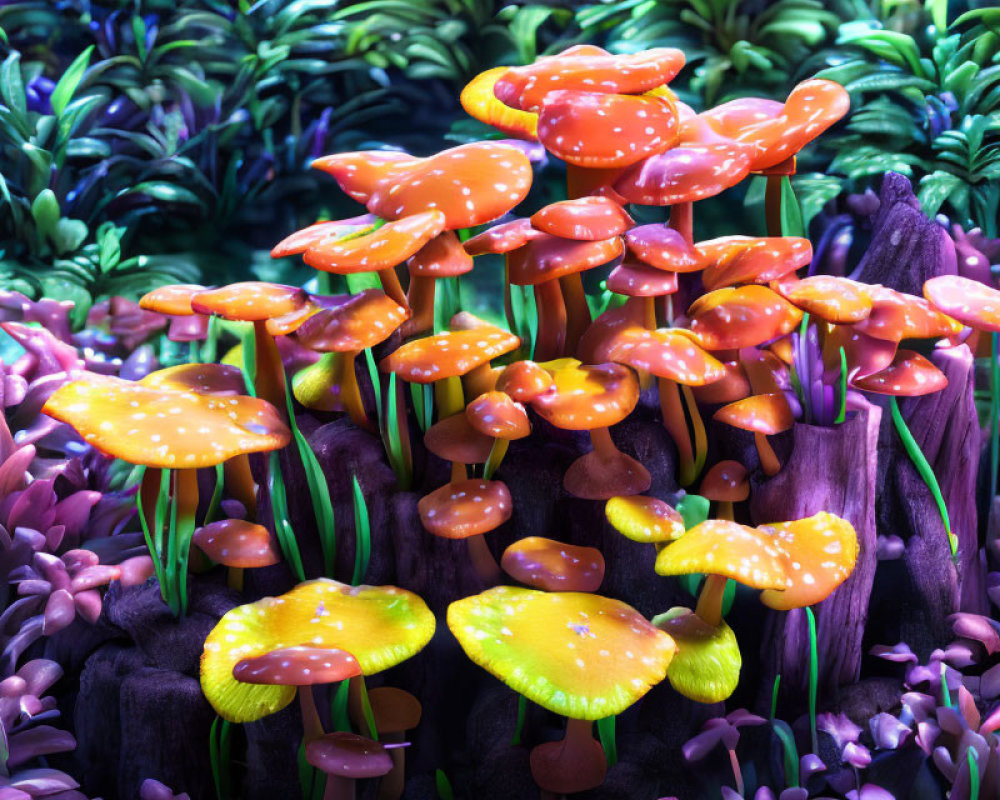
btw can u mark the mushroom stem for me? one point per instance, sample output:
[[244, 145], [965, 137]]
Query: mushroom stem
[[392, 785], [772, 204], [480, 380], [583, 181], [682, 220], [572, 754], [577, 311], [676, 425], [698, 426], [350, 394], [270, 378], [604, 446], [240, 483], [482, 560], [458, 472], [508, 302], [449, 396], [420, 296], [709, 608], [391, 286], [150, 490], [340, 788], [551, 310], [312, 727], [234, 579], [768, 460], [493, 461], [725, 510], [737, 772]]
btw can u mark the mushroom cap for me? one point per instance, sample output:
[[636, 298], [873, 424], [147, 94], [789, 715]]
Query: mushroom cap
[[664, 248], [348, 755], [742, 316], [829, 297], [442, 257], [761, 413], [297, 666], [366, 319], [820, 553], [360, 172], [237, 543], [594, 476], [380, 626], [866, 355], [726, 482], [972, 303], [909, 375], [577, 654], [503, 238], [640, 280], [583, 218], [395, 710], [448, 354], [554, 566], [497, 415], [523, 381], [896, 316], [685, 173], [752, 259], [174, 299], [530, 87], [644, 519], [165, 428], [292, 321], [547, 257], [382, 248], [605, 131], [707, 666], [249, 301], [220, 380], [721, 547], [812, 107], [470, 184], [302, 240], [733, 386], [586, 397], [467, 508], [480, 102], [670, 353], [454, 439]]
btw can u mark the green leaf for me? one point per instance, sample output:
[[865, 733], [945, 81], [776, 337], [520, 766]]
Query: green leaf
[[362, 533], [166, 192], [935, 189], [694, 509], [606, 733], [45, 210], [69, 235], [69, 82], [12, 84], [443, 785]]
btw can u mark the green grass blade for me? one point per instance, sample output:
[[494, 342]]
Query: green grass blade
[[973, 760], [216, 502], [279, 510], [249, 353], [606, 733], [376, 380], [774, 697], [443, 785], [173, 595], [151, 537], [842, 413], [790, 753], [522, 710], [308, 775], [398, 455], [366, 710], [220, 745], [813, 678], [362, 533], [338, 707], [920, 462]]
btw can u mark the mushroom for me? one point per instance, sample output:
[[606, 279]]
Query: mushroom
[[481, 103], [257, 302], [733, 260], [523, 381], [765, 415], [454, 439], [341, 333], [909, 375], [592, 399], [395, 712], [346, 758], [359, 173], [554, 566], [170, 430], [442, 257], [496, 415], [466, 509], [742, 316], [644, 519], [381, 626], [726, 483], [577, 654], [831, 298], [239, 545], [174, 300]]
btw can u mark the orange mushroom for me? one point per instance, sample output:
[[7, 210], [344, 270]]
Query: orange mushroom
[[828, 297], [523, 381], [896, 316], [748, 259], [743, 316], [554, 566], [442, 257], [765, 415], [909, 375], [239, 545], [725, 483], [481, 103], [359, 173], [496, 415]]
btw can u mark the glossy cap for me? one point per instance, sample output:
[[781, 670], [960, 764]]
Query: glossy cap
[[751, 259], [480, 102], [219, 380], [577, 654], [726, 482], [970, 302], [442, 257], [382, 248], [588, 397], [744, 316], [302, 240], [664, 248], [523, 381], [348, 755], [761, 413], [449, 354], [297, 666], [237, 543], [359, 173], [707, 666], [251, 301], [174, 299], [909, 375], [497, 415], [635, 279], [503, 238], [670, 353], [554, 566], [588, 218], [165, 428], [466, 508], [365, 320], [896, 316], [644, 519], [831, 298], [546, 257]]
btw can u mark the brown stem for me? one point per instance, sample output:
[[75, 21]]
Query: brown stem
[[458, 472], [150, 491], [239, 483], [709, 606], [391, 286], [312, 728], [578, 317], [392, 785], [479, 380], [768, 460], [551, 311], [698, 427], [772, 204], [234, 579], [270, 379], [420, 296], [340, 788], [572, 755], [682, 220], [508, 303], [676, 425], [482, 560], [725, 510], [605, 448]]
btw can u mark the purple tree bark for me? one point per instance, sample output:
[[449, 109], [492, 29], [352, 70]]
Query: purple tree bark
[[834, 470]]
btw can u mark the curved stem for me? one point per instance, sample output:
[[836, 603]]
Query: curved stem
[[676, 425], [604, 446], [312, 728], [420, 296], [240, 484], [577, 311], [551, 310], [391, 286], [737, 772], [482, 560], [768, 460], [350, 393], [682, 220], [508, 303], [269, 380], [479, 380], [709, 607], [497, 452], [449, 396]]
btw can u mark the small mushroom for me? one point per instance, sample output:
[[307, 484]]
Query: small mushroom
[[497, 415], [395, 711], [733, 260], [725, 483], [523, 381], [174, 300], [554, 566], [346, 758], [831, 298], [909, 375], [644, 519], [238, 545], [481, 103], [765, 415]]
